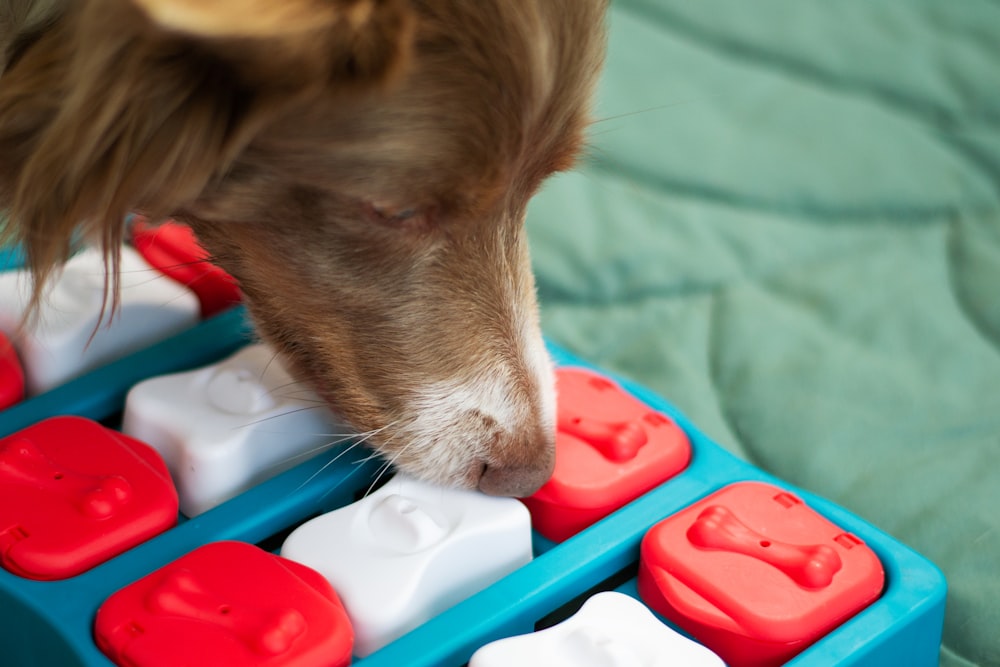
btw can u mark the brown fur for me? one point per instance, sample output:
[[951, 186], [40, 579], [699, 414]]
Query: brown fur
[[361, 166]]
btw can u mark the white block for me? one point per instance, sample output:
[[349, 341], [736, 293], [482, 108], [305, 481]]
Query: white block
[[409, 551], [58, 345], [227, 427], [610, 630]]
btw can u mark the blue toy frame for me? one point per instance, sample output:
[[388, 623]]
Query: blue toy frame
[[50, 622]]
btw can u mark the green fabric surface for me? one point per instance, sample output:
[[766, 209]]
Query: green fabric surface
[[789, 226]]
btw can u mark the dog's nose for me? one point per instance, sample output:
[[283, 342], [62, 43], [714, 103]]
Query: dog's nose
[[515, 481], [523, 475]]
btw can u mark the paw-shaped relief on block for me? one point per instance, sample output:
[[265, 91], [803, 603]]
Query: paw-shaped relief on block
[[173, 249], [610, 449], [74, 494], [411, 550], [11, 374], [755, 574], [226, 603], [227, 427], [69, 336], [610, 630]]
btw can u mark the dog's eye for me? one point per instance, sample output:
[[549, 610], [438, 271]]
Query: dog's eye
[[394, 216], [405, 214]]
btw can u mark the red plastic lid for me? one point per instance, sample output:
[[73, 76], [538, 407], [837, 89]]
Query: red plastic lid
[[755, 574], [11, 375], [173, 249], [610, 449], [226, 603], [74, 494]]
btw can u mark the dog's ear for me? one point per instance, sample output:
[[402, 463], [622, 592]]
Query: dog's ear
[[363, 41], [138, 105], [248, 18]]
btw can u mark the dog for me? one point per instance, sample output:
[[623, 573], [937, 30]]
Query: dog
[[361, 167]]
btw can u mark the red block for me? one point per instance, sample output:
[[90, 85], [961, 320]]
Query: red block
[[74, 494], [226, 603], [173, 249], [610, 449], [756, 575], [11, 375]]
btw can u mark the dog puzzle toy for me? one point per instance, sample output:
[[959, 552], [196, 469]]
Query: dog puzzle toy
[[752, 572], [228, 426], [75, 329], [74, 494], [461, 577], [610, 630], [409, 551], [226, 603]]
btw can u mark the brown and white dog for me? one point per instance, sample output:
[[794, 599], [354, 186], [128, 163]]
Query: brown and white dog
[[362, 168]]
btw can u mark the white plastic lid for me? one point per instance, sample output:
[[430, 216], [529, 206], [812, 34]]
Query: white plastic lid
[[610, 630], [68, 337], [226, 427], [409, 551]]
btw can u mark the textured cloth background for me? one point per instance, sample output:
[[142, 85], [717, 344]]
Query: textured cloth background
[[789, 225]]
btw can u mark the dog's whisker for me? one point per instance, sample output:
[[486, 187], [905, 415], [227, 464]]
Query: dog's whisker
[[659, 107], [385, 468], [154, 276], [360, 441], [263, 371], [316, 402], [167, 303], [370, 457], [290, 383], [165, 266], [193, 262], [337, 437], [382, 469], [375, 454], [293, 390], [324, 434], [296, 396], [315, 450], [325, 466], [338, 484], [280, 414]]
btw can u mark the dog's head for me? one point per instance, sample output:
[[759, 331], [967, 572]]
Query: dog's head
[[361, 166]]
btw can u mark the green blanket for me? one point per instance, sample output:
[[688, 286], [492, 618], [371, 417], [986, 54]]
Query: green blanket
[[789, 225]]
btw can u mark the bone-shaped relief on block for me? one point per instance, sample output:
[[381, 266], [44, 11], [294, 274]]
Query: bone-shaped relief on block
[[268, 631], [809, 565], [95, 496], [617, 441]]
